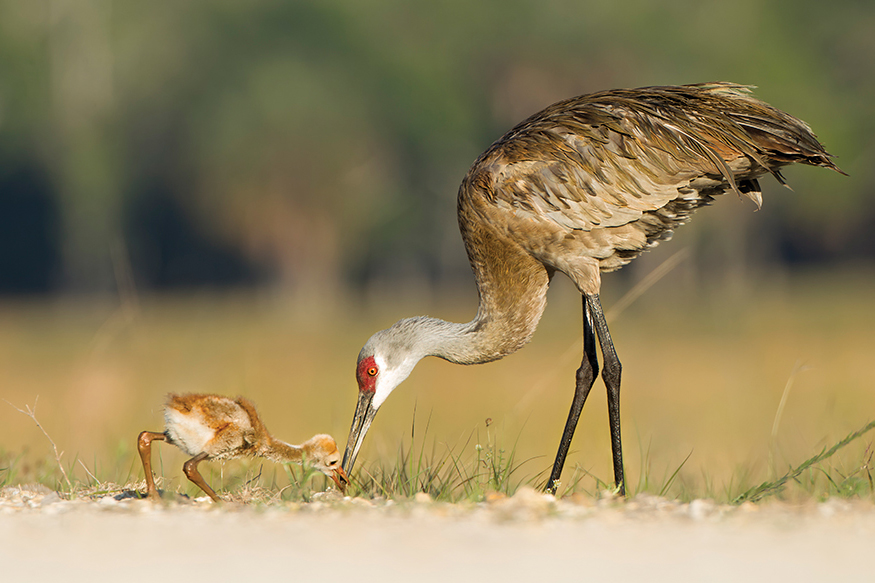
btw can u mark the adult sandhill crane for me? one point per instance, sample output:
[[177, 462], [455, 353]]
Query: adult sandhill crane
[[212, 427], [582, 187]]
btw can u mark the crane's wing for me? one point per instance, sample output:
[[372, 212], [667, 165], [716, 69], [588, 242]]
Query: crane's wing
[[652, 155]]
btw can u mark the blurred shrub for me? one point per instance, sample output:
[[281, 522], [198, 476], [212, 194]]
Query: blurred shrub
[[323, 140]]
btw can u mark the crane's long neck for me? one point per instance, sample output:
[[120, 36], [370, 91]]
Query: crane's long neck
[[512, 286]]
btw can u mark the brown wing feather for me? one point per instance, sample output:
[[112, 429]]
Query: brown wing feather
[[610, 174]]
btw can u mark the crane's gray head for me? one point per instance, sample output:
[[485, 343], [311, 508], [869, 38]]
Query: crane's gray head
[[385, 361]]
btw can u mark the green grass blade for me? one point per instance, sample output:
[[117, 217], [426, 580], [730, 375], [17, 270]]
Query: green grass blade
[[770, 488]]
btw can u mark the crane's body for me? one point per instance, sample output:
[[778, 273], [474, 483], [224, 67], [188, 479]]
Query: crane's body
[[582, 187], [214, 427]]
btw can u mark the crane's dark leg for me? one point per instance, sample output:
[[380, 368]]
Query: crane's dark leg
[[144, 446], [190, 469], [611, 370], [586, 374]]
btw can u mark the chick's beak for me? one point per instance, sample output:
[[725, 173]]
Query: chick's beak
[[340, 478]]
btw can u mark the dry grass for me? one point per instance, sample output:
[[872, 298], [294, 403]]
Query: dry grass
[[704, 378]]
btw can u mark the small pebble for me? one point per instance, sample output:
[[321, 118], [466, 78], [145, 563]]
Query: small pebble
[[700, 509], [49, 499]]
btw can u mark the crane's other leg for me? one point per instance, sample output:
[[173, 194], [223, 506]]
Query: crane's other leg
[[611, 370], [586, 374], [190, 469], [144, 446]]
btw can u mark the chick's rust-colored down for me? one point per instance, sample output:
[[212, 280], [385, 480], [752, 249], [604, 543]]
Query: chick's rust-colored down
[[213, 427]]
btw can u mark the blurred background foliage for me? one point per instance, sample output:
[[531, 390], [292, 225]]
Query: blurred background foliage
[[317, 145]]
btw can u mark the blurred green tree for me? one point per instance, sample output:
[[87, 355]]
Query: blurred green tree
[[325, 139]]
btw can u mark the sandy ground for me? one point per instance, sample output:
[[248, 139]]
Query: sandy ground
[[528, 537]]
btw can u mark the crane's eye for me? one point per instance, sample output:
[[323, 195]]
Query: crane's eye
[[372, 371]]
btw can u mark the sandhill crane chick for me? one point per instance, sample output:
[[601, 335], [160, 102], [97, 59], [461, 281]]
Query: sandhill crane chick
[[213, 427]]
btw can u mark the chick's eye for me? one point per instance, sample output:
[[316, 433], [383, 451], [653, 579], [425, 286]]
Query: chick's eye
[[372, 371]]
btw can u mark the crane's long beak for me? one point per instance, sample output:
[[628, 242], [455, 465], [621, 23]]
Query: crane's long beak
[[364, 415]]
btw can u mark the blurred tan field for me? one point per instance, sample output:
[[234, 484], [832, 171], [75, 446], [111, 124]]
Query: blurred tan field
[[704, 373]]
